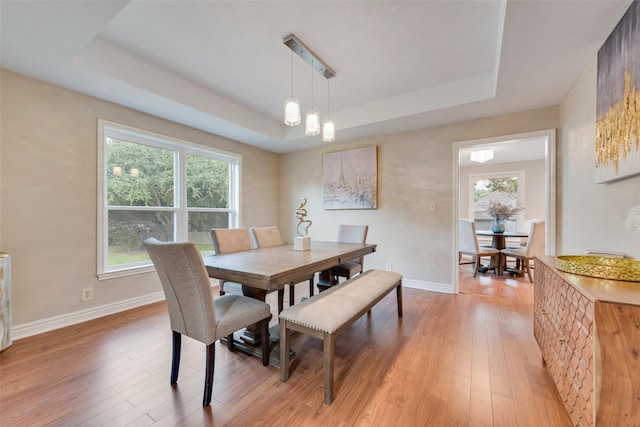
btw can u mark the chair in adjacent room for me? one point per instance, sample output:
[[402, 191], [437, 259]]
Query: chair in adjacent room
[[266, 237], [195, 313], [526, 227], [351, 234], [226, 241], [534, 247], [468, 245]]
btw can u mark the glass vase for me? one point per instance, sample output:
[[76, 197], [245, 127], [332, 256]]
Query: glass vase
[[498, 225]]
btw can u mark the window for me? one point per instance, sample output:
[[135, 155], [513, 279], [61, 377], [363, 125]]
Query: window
[[155, 186], [503, 187]]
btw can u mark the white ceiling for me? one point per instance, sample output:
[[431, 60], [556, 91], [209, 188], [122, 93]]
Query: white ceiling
[[221, 66]]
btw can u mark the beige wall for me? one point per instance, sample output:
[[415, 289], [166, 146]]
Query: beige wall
[[49, 202], [48, 192], [534, 178], [589, 215], [414, 169]]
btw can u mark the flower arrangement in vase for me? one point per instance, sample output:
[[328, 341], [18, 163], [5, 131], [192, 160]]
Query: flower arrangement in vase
[[500, 213]]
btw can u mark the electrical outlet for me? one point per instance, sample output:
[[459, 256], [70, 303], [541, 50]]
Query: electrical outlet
[[87, 294], [389, 266]]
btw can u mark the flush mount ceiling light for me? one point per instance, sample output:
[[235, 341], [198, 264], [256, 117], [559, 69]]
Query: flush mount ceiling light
[[481, 156], [312, 122]]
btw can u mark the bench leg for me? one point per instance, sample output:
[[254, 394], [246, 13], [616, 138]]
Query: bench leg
[[328, 352], [399, 296], [284, 351]]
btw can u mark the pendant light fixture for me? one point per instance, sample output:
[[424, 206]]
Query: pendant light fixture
[[328, 128], [291, 107], [312, 123], [312, 120]]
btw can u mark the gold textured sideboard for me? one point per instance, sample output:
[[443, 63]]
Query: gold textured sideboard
[[588, 331]]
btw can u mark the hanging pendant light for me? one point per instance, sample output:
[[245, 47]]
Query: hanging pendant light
[[312, 123], [312, 120], [291, 107], [328, 128]]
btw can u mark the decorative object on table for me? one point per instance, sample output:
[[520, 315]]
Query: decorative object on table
[[350, 179], [302, 242], [618, 95], [633, 219], [600, 267], [5, 301], [500, 212]]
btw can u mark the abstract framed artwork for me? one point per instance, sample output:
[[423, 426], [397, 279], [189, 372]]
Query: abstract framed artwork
[[350, 179], [618, 101]]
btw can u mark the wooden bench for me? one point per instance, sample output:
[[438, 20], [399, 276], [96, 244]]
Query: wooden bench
[[330, 312]]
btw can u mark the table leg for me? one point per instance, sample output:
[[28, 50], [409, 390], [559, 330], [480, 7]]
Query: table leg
[[252, 334], [499, 242], [249, 339], [326, 279]]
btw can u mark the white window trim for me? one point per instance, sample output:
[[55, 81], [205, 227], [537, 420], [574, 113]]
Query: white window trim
[[149, 138]]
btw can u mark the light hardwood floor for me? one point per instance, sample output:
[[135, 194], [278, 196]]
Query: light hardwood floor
[[452, 360]]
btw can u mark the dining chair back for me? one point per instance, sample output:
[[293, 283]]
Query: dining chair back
[[226, 241], [468, 245], [229, 240], [192, 310], [535, 246], [351, 234], [267, 237]]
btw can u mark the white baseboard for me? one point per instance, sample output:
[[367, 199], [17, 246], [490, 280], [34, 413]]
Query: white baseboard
[[445, 288], [49, 324]]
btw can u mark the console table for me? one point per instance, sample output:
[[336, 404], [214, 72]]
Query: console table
[[588, 331]]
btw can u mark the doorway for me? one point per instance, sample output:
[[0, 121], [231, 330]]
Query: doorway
[[507, 148]]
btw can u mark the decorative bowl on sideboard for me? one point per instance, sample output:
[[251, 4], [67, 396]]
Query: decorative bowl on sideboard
[[600, 267]]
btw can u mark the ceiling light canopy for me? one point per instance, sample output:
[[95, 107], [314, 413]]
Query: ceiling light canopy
[[292, 108], [309, 56], [482, 155]]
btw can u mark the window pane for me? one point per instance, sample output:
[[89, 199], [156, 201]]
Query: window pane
[[139, 175], [200, 225], [128, 229], [207, 182], [502, 190]]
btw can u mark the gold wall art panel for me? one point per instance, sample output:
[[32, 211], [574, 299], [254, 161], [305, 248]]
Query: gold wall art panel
[[618, 101]]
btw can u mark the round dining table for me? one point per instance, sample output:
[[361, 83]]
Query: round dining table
[[499, 240]]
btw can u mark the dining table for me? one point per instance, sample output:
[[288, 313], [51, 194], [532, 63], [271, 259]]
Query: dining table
[[499, 239], [265, 270]]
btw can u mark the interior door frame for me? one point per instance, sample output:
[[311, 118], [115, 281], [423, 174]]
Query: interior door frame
[[549, 136]]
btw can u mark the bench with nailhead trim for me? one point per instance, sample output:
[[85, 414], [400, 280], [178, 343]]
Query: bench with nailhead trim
[[328, 313]]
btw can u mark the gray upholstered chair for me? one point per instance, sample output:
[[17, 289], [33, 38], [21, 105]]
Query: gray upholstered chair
[[535, 246], [351, 234], [194, 313], [266, 237], [226, 241], [468, 245]]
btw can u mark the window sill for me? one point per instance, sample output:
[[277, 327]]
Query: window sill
[[123, 272]]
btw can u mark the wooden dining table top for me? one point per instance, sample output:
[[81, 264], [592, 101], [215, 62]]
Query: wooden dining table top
[[272, 268]]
